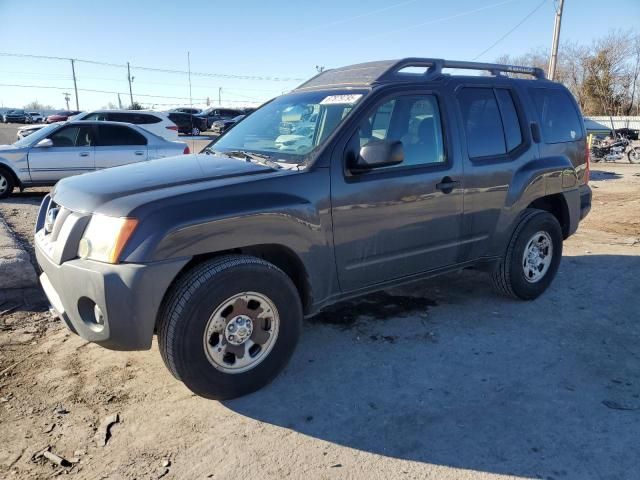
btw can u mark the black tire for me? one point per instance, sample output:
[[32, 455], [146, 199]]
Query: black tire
[[195, 131], [7, 183], [191, 301], [634, 155], [509, 276]]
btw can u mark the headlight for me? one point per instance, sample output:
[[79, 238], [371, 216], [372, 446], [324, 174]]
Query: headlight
[[105, 238]]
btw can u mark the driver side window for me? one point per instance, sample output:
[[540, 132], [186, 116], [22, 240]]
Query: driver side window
[[412, 119], [73, 136]]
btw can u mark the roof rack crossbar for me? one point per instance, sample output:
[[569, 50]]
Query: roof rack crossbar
[[434, 67]]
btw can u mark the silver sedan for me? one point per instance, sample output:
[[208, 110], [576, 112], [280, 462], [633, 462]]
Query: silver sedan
[[63, 149]]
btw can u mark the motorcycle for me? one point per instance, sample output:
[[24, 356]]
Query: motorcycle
[[612, 150]]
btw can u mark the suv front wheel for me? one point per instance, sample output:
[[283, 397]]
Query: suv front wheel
[[532, 257], [229, 326]]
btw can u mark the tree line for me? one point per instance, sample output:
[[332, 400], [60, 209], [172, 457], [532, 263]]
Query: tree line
[[603, 75]]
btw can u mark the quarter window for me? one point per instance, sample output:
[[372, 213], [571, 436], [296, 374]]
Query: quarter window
[[415, 121], [558, 116]]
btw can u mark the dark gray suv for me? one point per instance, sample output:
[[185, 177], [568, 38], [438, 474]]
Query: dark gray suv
[[388, 172]]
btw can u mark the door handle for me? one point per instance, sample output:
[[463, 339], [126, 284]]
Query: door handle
[[138, 152], [84, 154], [447, 185]]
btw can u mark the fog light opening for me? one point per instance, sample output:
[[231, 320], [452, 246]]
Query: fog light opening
[[91, 314]]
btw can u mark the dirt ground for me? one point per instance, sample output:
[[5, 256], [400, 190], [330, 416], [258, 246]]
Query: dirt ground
[[442, 379]]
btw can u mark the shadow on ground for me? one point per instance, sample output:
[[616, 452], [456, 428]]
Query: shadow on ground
[[542, 389], [599, 175]]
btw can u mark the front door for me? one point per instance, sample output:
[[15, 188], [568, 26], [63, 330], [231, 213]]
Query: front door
[[72, 153], [119, 145], [399, 220]]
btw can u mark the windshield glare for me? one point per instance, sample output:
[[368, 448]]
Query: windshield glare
[[292, 126]]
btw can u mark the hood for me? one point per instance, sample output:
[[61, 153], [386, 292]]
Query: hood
[[181, 174]]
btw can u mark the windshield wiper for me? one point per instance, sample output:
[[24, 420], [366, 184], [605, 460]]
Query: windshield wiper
[[260, 158]]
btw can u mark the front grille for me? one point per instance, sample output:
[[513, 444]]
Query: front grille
[[58, 230]]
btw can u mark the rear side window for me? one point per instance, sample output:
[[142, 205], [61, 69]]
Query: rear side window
[[482, 122], [510, 122], [113, 135], [559, 119]]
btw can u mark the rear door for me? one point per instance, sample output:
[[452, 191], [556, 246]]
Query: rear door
[[496, 145], [119, 145], [72, 153]]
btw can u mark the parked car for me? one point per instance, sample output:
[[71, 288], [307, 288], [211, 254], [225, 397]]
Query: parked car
[[188, 123], [408, 175], [36, 117], [70, 148], [155, 122], [17, 116], [221, 126], [61, 116], [214, 114], [29, 129], [191, 110]]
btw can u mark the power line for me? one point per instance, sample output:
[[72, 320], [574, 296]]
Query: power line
[[436, 20], [356, 17], [161, 70], [115, 92], [512, 30]]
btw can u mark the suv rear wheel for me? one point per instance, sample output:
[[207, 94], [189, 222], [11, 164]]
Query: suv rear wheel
[[532, 257], [6, 183], [229, 326]]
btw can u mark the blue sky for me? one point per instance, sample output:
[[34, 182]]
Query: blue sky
[[277, 38]]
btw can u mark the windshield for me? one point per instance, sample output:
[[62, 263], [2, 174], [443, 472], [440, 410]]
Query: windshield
[[36, 136], [290, 127]]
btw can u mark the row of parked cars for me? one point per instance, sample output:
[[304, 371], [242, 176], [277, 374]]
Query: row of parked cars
[[186, 120]]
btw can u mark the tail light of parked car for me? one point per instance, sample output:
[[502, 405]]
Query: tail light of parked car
[[587, 171], [186, 150], [173, 127]]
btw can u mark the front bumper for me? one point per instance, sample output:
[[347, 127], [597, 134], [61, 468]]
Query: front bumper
[[128, 297], [114, 306]]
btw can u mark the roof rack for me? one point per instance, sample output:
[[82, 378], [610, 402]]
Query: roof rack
[[435, 66], [389, 71]]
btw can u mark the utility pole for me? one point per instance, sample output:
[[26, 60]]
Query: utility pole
[[189, 70], [75, 85], [556, 41], [119, 102], [130, 80], [67, 97], [220, 96]]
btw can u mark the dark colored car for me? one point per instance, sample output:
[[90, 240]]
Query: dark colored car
[[188, 123], [405, 175], [221, 126], [61, 116], [214, 114], [191, 110], [17, 116], [630, 133]]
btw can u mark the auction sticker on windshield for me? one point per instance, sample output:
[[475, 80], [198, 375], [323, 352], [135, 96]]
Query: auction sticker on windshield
[[348, 99]]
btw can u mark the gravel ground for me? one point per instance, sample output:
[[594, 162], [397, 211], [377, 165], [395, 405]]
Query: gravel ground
[[442, 379]]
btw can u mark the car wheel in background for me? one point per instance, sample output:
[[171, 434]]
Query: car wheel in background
[[228, 326], [532, 257], [6, 183], [195, 131]]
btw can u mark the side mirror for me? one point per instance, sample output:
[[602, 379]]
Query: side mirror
[[377, 154], [44, 143]]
